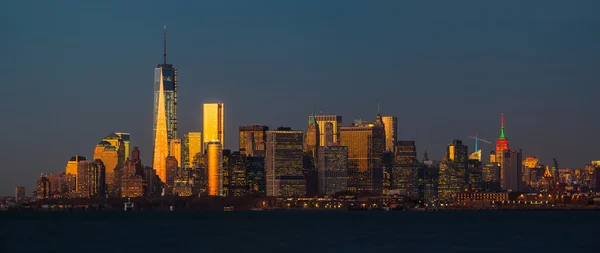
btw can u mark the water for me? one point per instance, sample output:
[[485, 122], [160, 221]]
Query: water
[[299, 231]]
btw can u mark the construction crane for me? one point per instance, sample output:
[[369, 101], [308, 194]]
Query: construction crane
[[478, 139]]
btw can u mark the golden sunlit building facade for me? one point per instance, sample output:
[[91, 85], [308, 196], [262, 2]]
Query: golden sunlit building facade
[[215, 168], [335, 124], [111, 158], [192, 148], [175, 150], [366, 144], [390, 123], [253, 140], [213, 122], [73, 165]]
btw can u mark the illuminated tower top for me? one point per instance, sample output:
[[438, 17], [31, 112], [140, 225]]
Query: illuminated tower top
[[501, 143]]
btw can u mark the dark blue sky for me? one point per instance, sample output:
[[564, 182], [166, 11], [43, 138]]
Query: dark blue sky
[[74, 71]]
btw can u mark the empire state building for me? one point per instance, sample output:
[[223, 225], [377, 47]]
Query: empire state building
[[165, 112]]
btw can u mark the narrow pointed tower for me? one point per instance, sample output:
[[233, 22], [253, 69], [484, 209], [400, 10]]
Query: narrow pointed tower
[[501, 143]]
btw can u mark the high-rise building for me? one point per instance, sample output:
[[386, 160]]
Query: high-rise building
[[213, 122], [20, 194], [165, 112], [512, 165], [253, 140], [175, 150], [428, 182], [132, 184], [391, 131], [366, 144], [474, 172], [43, 187], [192, 148], [171, 163], [501, 145], [453, 171], [332, 166], [490, 176], [238, 183], [311, 141], [529, 169], [322, 120], [284, 166], [72, 166], [214, 152], [405, 170], [126, 142], [183, 183], [112, 159], [255, 175]]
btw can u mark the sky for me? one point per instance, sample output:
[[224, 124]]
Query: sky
[[75, 71]]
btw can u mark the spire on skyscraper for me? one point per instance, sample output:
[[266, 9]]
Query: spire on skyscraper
[[502, 128], [165, 46]]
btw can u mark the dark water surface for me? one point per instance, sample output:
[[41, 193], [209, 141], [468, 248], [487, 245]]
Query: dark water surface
[[300, 231]]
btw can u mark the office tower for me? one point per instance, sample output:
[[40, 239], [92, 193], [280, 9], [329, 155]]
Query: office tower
[[589, 179], [322, 120], [328, 135], [132, 183], [165, 112], [493, 157], [255, 175], [512, 179], [529, 170], [391, 131], [332, 166], [42, 187], [366, 144], [214, 161], [111, 157], [20, 194], [428, 182], [192, 148], [125, 137], [475, 155], [453, 171], [171, 163], [183, 183], [405, 170], [83, 179], [311, 141], [284, 166], [151, 182], [311, 173], [97, 179], [474, 173], [213, 122], [226, 169], [72, 166], [490, 176], [253, 140], [238, 183], [501, 145], [175, 150], [387, 162]]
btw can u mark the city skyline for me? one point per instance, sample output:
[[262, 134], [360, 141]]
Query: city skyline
[[536, 115]]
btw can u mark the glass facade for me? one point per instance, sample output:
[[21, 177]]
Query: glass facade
[[332, 166], [405, 171], [213, 124], [192, 148], [336, 123], [215, 168], [366, 144], [253, 140], [391, 131], [284, 167]]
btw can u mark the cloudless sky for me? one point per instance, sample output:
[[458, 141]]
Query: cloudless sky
[[74, 71]]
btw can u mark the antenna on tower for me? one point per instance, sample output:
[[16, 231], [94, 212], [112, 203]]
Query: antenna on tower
[[165, 46], [378, 108]]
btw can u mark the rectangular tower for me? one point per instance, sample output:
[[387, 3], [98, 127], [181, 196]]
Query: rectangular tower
[[366, 144], [284, 168], [322, 120], [252, 140], [192, 148], [405, 170], [390, 123], [213, 122], [512, 165], [333, 169], [175, 150]]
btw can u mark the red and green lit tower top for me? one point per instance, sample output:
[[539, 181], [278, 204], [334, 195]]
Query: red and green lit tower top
[[502, 142]]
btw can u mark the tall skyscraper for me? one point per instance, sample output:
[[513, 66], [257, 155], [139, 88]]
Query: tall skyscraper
[[332, 166], [311, 141], [171, 170], [512, 165], [192, 148], [111, 150], [125, 137], [165, 111], [213, 122], [453, 171], [405, 170], [73, 165], [215, 168], [322, 120], [366, 144], [175, 150], [391, 131], [284, 167], [253, 140], [501, 145]]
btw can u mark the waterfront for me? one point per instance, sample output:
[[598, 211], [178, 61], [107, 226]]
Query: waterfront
[[298, 231]]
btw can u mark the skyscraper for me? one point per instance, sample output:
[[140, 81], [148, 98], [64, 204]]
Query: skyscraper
[[72, 166], [215, 168], [501, 145], [332, 166], [253, 140], [453, 171], [311, 141], [165, 111], [322, 120], [405, 170], [192, 148], [171, 170], [284, 167], [391, 131], [213, 122], [125, 137], [175, 150], [512, 165], [366, 144]]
